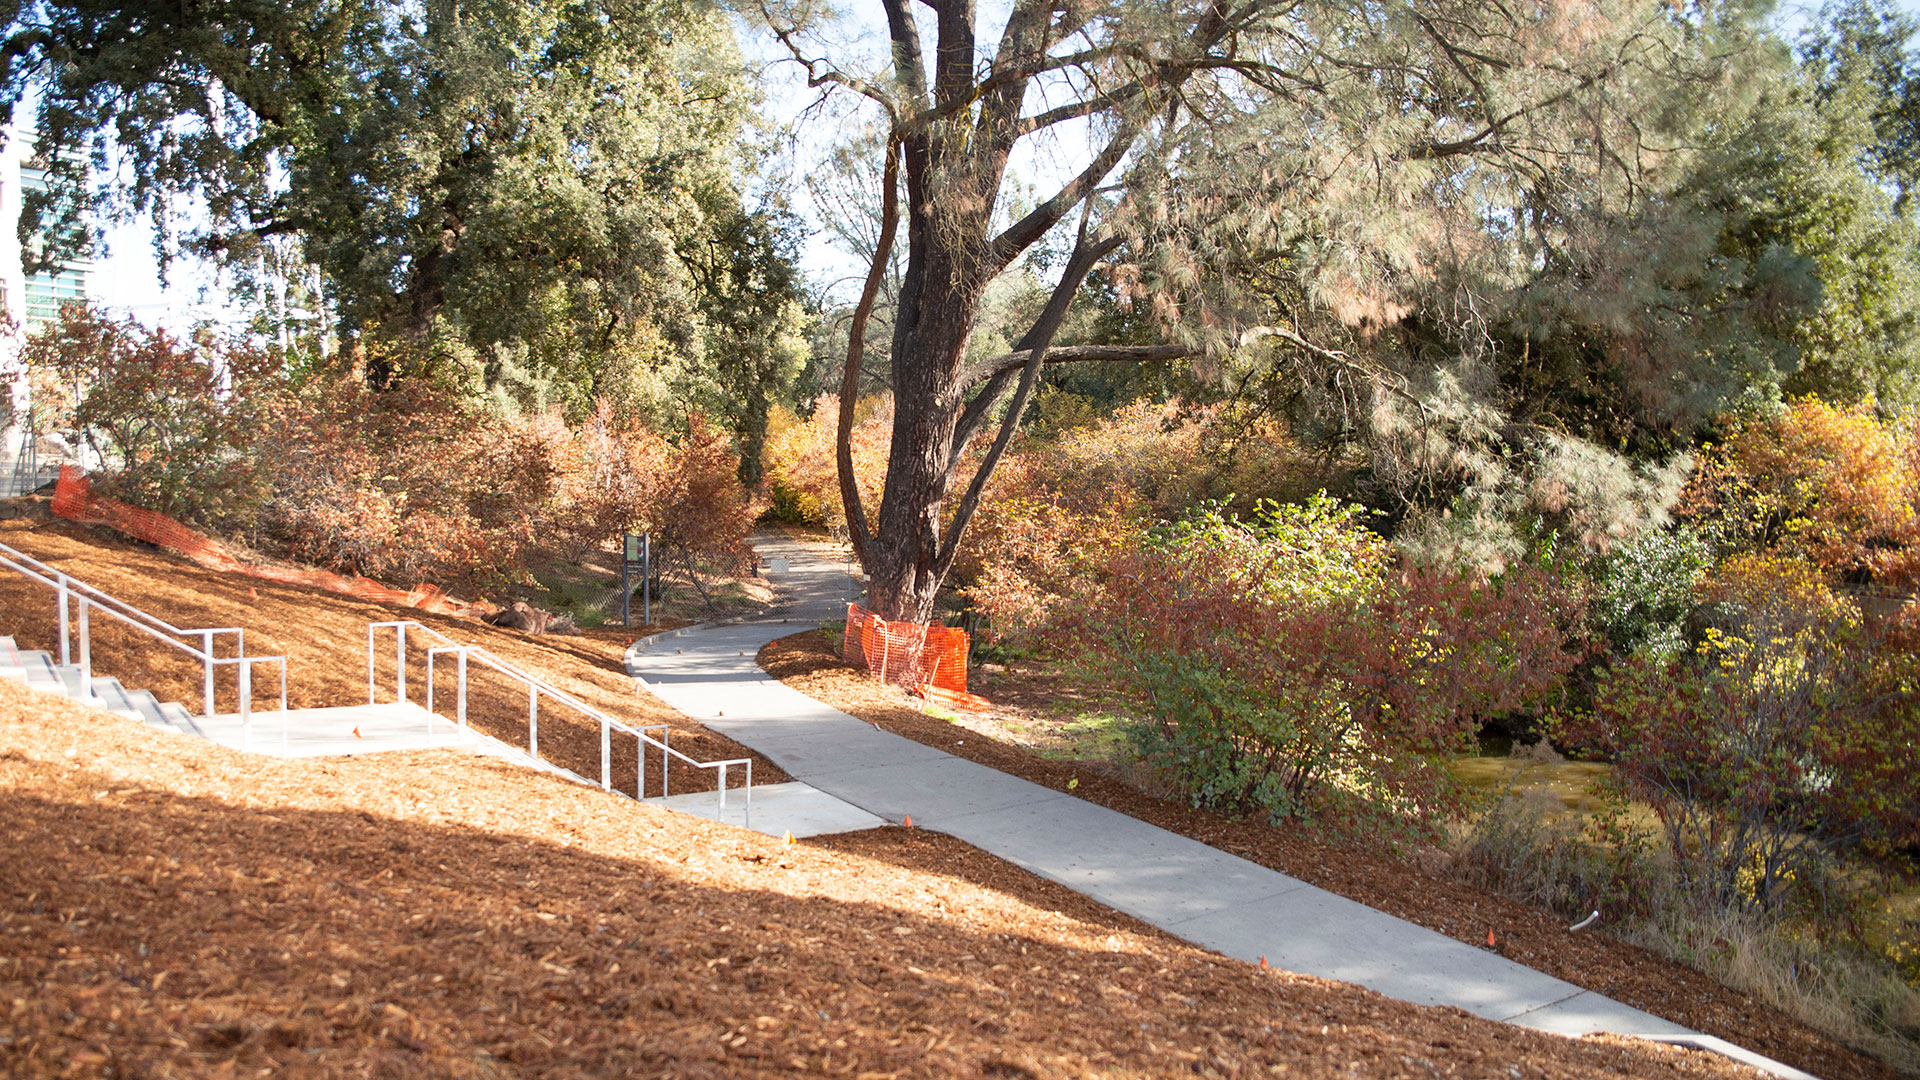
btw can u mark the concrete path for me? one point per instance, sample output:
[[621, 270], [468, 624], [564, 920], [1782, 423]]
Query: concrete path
[[1196, 892], [778, 810]]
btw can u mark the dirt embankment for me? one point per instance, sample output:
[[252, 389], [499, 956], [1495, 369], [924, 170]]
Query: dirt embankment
[[172, 908], [808, 663]]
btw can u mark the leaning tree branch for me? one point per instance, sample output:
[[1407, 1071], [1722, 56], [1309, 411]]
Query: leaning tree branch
[[975, 414], [1024, 233], [858, 531], [1072, 354], [909, 65], [1086, 252], [1076, 109]]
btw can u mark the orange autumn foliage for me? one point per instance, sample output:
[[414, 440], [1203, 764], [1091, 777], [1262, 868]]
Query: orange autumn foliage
[[803, 478], [1836, 487]]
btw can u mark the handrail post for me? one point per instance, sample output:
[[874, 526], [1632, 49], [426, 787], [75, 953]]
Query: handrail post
[[206, 670], [246, 705], [430, 659], [665, 760], [370, 698], [66, 650], [640, 769], [463, 688], [723, 786], [606, 755], [400, 669], [533, 715], [748, 823], [86, 653]]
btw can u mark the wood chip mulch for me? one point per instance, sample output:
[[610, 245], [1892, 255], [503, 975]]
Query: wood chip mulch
[[809, 663], [171, 908]]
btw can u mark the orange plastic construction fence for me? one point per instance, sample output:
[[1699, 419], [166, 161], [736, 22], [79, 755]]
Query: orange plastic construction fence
[[73, 499], [929, 659]]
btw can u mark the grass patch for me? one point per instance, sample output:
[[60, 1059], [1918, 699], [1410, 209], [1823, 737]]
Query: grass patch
[[1092, 736], [1817, 961]]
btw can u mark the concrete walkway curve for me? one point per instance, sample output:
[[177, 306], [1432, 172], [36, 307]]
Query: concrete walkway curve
[[1199, 893]]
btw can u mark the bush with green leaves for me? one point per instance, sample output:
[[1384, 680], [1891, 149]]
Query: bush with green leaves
[[1643, 590], [1289, 664]]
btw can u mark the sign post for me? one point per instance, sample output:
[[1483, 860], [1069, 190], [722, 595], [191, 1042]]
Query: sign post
[[636, 553]]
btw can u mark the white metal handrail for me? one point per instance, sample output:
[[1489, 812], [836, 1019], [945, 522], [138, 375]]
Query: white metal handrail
[[71, 592], [536, 688]]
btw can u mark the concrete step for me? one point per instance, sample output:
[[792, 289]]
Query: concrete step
[[108, 694], [41, 673], [10, 667], [148, 707], [138, 705], [177, 716], [70, 684]]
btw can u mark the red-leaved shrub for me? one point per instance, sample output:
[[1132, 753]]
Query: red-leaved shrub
[[1290, 664], [176, 423], [415, 481]]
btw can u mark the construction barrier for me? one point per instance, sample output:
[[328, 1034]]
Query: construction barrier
[[929, 659], [73, 499]]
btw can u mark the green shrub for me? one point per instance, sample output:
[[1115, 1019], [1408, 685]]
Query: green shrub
[[1643, 590], [1287, 664]]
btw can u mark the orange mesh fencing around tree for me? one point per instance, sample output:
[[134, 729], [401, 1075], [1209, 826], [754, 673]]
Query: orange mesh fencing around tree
[[73, 499], [929, 659]]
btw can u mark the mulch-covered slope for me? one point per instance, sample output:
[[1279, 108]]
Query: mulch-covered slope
[[324, 637], [172, 908], [1533, 937]]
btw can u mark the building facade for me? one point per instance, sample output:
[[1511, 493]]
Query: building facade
[[27, 458]]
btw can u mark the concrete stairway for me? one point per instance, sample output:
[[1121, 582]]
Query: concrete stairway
[[38, 671]]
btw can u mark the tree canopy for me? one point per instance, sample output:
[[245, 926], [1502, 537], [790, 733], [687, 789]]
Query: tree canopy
[[1513, 258], [535, 185], [1357, 196]]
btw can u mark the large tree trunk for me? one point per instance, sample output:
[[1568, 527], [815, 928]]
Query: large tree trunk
[[930, 343], [953, 135]]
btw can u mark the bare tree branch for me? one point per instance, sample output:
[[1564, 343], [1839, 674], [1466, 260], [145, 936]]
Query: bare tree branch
[[858, 530], [817, 76]]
